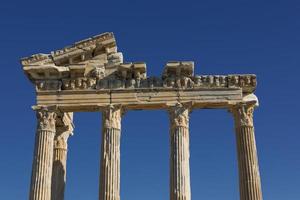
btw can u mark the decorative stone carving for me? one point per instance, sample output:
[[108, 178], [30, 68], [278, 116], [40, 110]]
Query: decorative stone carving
[[179, 116], [98, 72], [242, 81], [249, 177], [37, 58], [64, 129], [40, 188], [243, 114], [79, 83], [94, 63], [46, 119], [43, 85], [61, 141], [91, 74], [96, 81], [180, 154], [110, 154], [112, 117]]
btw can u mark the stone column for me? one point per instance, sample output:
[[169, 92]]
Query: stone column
[[179, 158], [59, 170], [110, 154], [40, 188], [249, 177], [64, 128]]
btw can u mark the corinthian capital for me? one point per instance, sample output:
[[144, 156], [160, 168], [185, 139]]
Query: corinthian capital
[[61, 141], [64, 129], [112, 117], [243, 114], [179, 115], [46, 119]]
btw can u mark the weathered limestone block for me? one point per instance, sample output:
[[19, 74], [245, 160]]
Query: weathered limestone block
[[249, 176], [40, 188], [179, 159], [110, 154]]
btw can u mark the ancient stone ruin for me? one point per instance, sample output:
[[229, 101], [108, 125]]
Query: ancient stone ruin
[[90, 76]]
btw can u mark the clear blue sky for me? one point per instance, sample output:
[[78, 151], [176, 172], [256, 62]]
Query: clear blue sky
[[222, 37]]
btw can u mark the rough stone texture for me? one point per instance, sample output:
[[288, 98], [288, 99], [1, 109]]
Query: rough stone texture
[[180, 154], [90, 75], [110, 154], [250, 184], [40, 188], [63, 130]]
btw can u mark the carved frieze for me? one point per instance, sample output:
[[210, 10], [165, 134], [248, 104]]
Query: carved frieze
[[79, 83], [242, 81], [95, 64], [247, 82], [45, 85]]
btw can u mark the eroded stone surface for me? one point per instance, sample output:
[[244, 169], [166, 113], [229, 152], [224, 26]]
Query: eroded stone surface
[[90, 75]]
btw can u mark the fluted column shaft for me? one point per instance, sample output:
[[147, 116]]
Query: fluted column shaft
[[59, 170], [179, 158], [40, 188], [110, 154], [249, 176]]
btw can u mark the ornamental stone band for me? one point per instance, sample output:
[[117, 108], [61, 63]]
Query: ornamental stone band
[[91, 76]]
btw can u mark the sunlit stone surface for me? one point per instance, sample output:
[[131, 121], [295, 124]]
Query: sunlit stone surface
[[91, 76]]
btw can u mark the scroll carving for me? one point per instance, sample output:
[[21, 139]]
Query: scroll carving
[[112, 117], [179, 116], [243, 114], [61, 141], [46, 119]]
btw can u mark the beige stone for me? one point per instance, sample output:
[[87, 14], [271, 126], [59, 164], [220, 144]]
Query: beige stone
[[180, 188], [110, 154], [249, 177], [91, 76]]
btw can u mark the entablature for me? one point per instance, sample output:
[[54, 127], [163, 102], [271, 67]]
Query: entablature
[[92, 70]]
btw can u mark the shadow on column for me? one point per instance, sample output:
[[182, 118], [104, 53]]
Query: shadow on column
[[58, 181]]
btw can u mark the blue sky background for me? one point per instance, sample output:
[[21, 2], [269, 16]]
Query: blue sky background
[[222, 37]]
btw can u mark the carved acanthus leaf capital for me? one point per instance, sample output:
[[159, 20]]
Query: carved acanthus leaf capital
[[112, 117], [243, 114], [179, 115], [61, 140], [46, 119]]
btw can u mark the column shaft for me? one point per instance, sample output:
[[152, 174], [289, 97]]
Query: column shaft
[[179, 159], [40, 188], [249, 176], [64, 129], [110, 155], [59, 168]]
